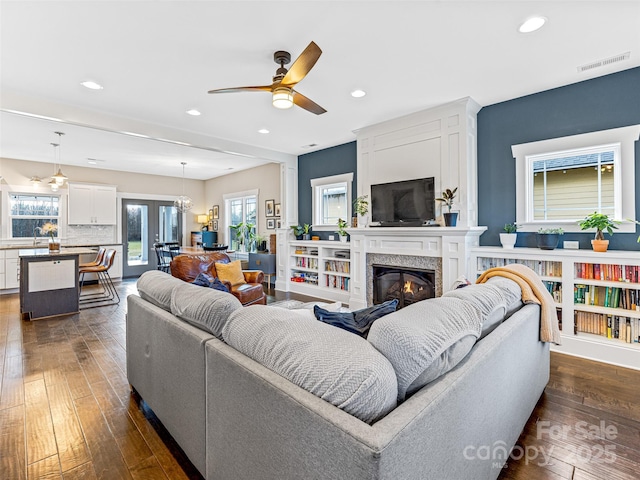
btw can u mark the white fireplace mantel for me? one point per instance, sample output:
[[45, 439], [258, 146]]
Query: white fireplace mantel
[[450, 244]]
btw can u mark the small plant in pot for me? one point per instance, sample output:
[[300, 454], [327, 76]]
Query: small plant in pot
[[297, 231], [601, 222], [342, 232], [306, 232], [510, 235], [548, 238], [361, 207], [450, 219]]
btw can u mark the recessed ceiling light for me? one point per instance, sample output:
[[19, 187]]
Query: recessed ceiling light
[[194, 112], [90, 84], [263, 130], [532, 24], [358, 93], [92, 161]]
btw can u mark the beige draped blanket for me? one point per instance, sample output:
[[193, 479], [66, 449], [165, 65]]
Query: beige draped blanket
[[533, 291]]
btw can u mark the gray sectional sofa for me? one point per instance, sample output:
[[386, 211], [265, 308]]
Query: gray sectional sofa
[[233, 385]]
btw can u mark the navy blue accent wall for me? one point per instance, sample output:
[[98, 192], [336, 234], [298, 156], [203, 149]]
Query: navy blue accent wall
[[601, 103], [324, 163]]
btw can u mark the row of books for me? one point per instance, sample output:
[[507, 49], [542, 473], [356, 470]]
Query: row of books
[[304, 277], [341, 283], [610, 326], [541, 267], [336, 266], [555, 289], [306, 251], [604, 271], [305, 262], [612, 297]]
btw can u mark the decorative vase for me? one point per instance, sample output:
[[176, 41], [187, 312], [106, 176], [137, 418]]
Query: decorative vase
[[306, 236], [54, 245], [363, 221], [508, 240], [600, 245], [547, 241], [343, 238], [354, 222], [450, 219]]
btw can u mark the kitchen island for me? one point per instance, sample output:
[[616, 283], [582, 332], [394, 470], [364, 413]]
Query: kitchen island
[[49, 281]]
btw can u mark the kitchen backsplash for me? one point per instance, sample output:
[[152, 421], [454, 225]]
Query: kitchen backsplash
[[90, 234]]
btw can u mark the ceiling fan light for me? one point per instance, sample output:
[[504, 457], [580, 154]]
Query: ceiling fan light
[[282, 98]]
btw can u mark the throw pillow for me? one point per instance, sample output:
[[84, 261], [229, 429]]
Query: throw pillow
[[358, 322], [206, 280], [231, 272]]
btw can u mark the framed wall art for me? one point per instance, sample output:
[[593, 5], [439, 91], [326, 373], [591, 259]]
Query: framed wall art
[[271, 223], [215, 225], [277, 210], [215, 212], [269, 208]]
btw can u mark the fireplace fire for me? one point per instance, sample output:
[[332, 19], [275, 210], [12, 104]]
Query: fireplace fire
[[408, 285]]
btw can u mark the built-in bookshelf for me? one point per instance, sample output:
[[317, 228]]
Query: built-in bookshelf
[[599, 312], [320, 268]]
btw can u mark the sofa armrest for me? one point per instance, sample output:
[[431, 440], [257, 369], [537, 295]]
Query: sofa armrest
[[253, 276]]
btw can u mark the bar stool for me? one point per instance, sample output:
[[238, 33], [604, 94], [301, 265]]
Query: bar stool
[[96, 261], [108, 295]]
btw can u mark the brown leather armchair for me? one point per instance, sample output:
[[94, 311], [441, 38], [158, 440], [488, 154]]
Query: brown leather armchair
[[187, 267]]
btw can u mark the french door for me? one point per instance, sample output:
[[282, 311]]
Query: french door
[[145, 222]]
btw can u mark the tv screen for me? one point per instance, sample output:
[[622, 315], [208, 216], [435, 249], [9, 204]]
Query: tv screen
[[410, 201]]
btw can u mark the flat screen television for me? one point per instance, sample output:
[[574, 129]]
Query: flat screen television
[[406, 203]]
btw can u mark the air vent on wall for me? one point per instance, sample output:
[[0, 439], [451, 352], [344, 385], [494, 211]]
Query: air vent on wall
[[604, 62]]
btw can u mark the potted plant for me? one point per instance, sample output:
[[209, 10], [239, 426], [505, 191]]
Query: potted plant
[[306, 232], [50, 229], [342, 232], [297, 231], [361, 207], [601, 222], [244, 232], [450, 219], [510, 235], [548, 238], [261, 243]]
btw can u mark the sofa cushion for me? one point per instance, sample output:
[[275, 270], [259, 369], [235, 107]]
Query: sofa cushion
[[155, 287], [341, 368], [206, 308], [358, 322], [206, 280], [426, 339], [231, 272]]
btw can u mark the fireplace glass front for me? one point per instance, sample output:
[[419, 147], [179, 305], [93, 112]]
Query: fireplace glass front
[[408, 285]]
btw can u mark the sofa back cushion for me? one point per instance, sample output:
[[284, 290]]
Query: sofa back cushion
[[155, 287], [187, 266], [206, 308], [426, 339], [333, 364]]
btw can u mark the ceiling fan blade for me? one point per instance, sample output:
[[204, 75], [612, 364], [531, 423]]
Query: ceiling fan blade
[[302, 65], [308, 104], [262, 88]]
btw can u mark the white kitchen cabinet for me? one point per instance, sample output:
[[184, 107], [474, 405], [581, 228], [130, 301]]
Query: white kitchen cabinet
[[91, 204], [2, 276], [11, 269]]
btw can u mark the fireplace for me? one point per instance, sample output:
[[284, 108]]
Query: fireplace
[[408, 285]]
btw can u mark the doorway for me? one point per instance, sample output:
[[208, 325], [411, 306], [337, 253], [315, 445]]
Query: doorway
[[145, 222]]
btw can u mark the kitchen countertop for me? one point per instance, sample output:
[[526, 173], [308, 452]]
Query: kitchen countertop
[[44, 252], [43, 245]]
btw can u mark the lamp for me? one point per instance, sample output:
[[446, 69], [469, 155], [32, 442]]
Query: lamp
[[52, 184], [59, 177], [183, 203], [36, 181], [282, 97], [203, 219]]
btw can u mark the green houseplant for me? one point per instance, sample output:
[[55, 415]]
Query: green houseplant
[[297, 231], [548, 238], [509, 236], [361, 208], [306, 232], [342, 232], [601, 222], [450, 218]]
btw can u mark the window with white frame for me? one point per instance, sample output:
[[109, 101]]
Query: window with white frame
[[28, 212], [562, 180], [241, 219], [331, 200]]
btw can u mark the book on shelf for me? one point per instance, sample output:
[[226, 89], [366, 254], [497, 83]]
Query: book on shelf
[[626, 329], [608, 272], [545, 268]]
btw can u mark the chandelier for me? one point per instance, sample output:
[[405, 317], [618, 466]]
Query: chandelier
[[183, 203]]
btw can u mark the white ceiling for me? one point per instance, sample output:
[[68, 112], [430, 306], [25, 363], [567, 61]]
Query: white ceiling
[[157, 59]]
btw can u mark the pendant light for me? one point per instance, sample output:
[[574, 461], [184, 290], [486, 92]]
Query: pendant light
[[52, 184], [183, 203], [59, 177]]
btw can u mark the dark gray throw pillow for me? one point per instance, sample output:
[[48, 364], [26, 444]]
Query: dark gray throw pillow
[[206, 280], [358, 322]]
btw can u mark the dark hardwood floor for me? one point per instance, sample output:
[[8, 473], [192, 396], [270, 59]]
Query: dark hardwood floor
[[66, 410]]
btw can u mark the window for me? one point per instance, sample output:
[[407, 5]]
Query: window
[[562, 180], [241, 219], [28, 212], [331, 200]]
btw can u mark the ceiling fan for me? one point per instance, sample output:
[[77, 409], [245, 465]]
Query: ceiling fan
[[283, 94]]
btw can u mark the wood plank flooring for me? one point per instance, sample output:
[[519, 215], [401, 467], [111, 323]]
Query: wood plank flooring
[[66, 411]]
